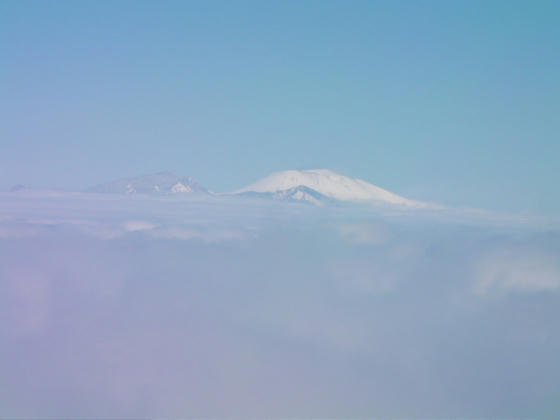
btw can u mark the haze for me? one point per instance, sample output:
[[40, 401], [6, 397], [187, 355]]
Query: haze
[[308, 209]]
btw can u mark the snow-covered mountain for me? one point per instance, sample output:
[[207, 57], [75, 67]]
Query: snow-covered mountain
[[160, 184], [312, 184], [300, 193]]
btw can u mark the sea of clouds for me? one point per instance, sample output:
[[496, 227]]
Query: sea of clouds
[[116, 306]]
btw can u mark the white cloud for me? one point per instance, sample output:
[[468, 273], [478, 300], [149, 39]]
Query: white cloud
[[8, 231], [517, 270], [137, 225], [206, 235], [27, 300], [164, 307], [364, 233]]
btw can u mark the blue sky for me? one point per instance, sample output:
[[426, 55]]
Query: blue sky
[[455, 102]]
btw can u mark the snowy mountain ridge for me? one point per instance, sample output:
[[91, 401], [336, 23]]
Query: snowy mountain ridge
[[328, 184], [162, 183], [312, 186], [297, 194]]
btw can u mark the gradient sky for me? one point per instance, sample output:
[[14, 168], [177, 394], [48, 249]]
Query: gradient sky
[[455, 102]]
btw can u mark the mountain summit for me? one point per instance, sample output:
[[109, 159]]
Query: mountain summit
[[162, 183], [325, 183]]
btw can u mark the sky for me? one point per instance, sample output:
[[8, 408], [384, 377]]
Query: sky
[[219, 306], [453, 102]]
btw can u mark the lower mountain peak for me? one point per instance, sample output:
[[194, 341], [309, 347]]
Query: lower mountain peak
[[162, 183]]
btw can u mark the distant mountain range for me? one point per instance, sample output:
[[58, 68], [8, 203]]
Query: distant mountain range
[[162, 183], [313, 186]]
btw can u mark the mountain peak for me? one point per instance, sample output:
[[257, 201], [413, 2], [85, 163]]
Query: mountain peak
[[329, 184], [160, 183]]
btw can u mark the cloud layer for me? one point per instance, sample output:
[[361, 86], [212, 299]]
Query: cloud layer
[[143, 307]]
